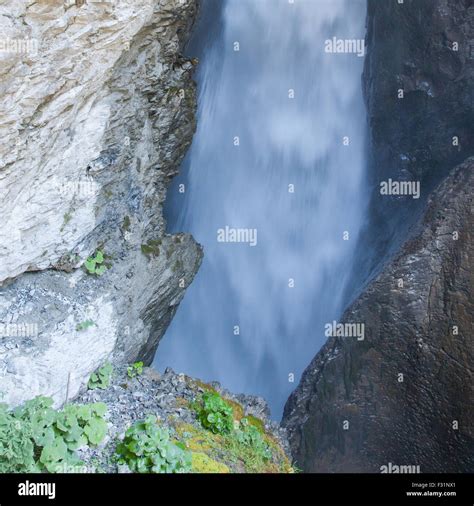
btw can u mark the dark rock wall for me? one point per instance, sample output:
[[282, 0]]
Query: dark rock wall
[[412, 47], [409, 330], [416, 291]]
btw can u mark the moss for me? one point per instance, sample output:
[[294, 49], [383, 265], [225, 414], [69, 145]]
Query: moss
[[196, 383], [126, 224], [226, 450], [256, 422], [178, 266], [181, 402], [66, 219], [237, 409], [201, 463], [151, 248], [197, 440], [170, 251]]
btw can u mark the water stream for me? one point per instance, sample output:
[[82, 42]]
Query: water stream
[[279, 159]]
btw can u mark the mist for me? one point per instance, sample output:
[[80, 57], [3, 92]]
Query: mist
[[279, 150]]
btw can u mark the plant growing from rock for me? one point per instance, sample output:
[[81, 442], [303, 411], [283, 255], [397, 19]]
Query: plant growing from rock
[[215, 414], [249, 435], [147, 448], [95, 264], [135, 370], [38, 438], [101, 378], [151, 248], [84, 325]]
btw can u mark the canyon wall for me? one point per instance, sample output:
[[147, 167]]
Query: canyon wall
[[404, 394], [418, 90], [97, 108]]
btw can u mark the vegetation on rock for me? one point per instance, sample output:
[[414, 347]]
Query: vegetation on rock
[[38, 438], [95, 264], [102, 377], [147, 448]]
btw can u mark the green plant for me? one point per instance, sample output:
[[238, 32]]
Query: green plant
[[85, 325], [66, 219], [147, 448], [101, 378], [151, 248], [37, 438], [126, 223], [215, 414], [135, 369], [249, 435], [95, 264]]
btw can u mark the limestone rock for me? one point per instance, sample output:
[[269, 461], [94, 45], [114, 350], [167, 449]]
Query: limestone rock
[[97, 108]]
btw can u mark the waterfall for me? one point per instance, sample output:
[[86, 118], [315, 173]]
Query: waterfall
[[277, 163]]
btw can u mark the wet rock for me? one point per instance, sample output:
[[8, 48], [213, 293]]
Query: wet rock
[[404, 394]]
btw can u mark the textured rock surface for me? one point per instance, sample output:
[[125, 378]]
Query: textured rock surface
[[409, 328], [418, 323], [169, 397], [426, 49], [412, 47], [95, 118]]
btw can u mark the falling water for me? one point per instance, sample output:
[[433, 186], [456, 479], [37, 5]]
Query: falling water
[[280, 149]]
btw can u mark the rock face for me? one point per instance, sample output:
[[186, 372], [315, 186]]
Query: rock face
[[404, 394], [96, 112], [406, 389], [170, 397], [420, 105]]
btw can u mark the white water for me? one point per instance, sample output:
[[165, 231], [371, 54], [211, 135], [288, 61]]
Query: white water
[[283, 141]]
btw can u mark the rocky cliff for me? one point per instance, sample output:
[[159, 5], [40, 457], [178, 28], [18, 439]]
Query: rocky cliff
[[96, 112], [404, 394], [420, 107]]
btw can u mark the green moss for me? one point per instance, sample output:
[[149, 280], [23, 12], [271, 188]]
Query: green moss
[[151, 248], [228, 450], [178, 266], [256, 422], [201, 463], [66, 219], [237, 409], [196, 383], [126, 224]]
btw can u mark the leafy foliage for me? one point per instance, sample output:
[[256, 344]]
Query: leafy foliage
[[215, 413], [101, 378], [251, 436], [95, 264], [135, 369], [147, 448], [84, 325], [37, 438]]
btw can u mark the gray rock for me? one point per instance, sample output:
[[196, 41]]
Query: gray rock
[[107, 129]]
